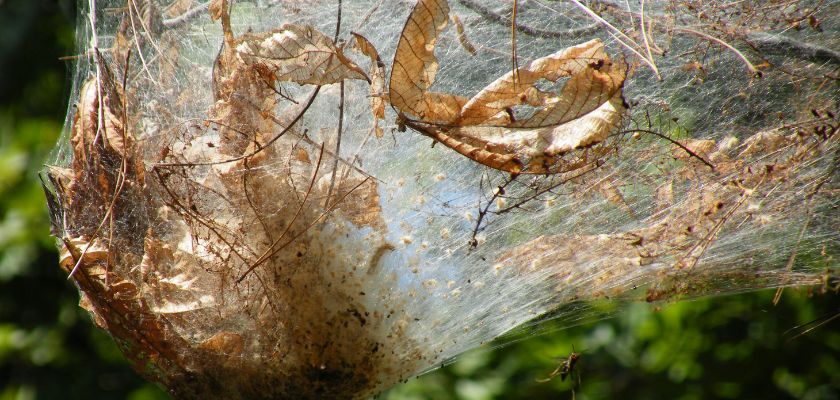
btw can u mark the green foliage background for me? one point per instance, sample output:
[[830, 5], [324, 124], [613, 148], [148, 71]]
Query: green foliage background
[[732, 347]]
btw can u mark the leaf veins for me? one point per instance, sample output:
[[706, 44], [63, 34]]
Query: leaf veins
[[509, 125]]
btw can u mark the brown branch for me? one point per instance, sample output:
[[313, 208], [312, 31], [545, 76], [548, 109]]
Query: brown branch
[[528, 30], [781, 45], [187, 16], [309, 102]]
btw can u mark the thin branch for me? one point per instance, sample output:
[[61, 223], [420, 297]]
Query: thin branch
[[187, 16], [822, 320], [548, 189], [528, 30], [644, 31], [615, 33], [514, 59], [268, 255], [137, 42], [781, 45], [337, 143], [340, 128], [297, 214], [337, 23], [753, 70], [299, 115], [674, 142], [497, 193], [367, 16], [791, 260]]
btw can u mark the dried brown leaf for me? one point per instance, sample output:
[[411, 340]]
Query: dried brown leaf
[[534, 150], [594, 79], [177, 8], [486, 128], [415, 66], [299, 54], [302, 156], [98, 122], [462, 35], [216, 7], [227, 343], [377, 80], [93, 260]]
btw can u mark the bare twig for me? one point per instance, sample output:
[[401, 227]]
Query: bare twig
[[791, 260], [187, 16], [299, 115], [781, 45], [822, 320], [644, 31], [525, 29], [339, 131], [297, 214], [340, 128], [482, 212], [619, 36], [513, 57], [753, 70], [674, 142]]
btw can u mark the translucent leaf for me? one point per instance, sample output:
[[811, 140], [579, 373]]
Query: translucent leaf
[[298, 54], [377, 80], [488, 128], [415, 66]]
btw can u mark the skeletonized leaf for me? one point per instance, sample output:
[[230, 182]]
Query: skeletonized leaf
[[594, 79], [377, 80], [415, 66], [511, 125], [528, 150], [299, 54]]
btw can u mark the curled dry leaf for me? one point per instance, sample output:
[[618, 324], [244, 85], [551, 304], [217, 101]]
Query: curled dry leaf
[[215, 7], [462, 36], [177, 8], [299, 54], [415, 66], [510, 125], [99, 120], [689, 243], [377, 80]]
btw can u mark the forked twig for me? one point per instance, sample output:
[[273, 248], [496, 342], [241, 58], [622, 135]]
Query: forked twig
[[270, 253], [297, 213], [498, 192], [674, 142]]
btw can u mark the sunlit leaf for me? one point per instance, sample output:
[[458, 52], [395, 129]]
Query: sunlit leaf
[[511, 124], [377, 80], [298, 54]]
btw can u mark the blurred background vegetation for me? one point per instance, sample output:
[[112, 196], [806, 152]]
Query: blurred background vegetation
[[727, 347]]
